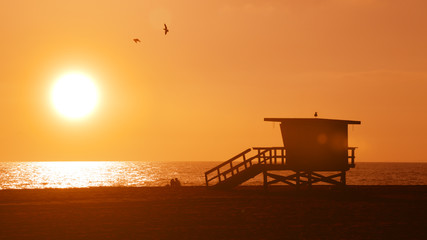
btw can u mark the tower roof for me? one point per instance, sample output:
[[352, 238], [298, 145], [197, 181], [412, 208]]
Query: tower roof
[[307, 120]]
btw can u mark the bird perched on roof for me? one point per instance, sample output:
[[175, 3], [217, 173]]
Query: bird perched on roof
[[315, 114], [166, 29], [136, 40]]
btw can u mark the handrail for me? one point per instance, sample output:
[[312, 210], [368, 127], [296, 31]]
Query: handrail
[[249, 160], [262, 154], [256, 148], [228, 161], [241, 164]]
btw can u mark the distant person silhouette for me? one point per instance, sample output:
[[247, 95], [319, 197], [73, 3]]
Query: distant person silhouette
[[315, 114], [173, 183], [177, 182]]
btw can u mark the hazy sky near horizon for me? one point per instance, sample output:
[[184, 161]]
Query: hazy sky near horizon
[[202, 92]]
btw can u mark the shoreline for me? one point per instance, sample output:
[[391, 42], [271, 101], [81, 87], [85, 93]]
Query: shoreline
[[195, 212]]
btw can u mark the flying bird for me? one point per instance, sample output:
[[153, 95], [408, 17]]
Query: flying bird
[[136, 40], [166, 29]]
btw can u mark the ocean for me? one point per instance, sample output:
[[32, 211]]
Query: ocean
[[39, 175]]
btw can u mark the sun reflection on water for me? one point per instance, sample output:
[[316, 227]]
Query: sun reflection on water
[[72, 174], [83, 174], [79, 174]]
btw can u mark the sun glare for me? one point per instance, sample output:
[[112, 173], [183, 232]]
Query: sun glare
[[74, 95]]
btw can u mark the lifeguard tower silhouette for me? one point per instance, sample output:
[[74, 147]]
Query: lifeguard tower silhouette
[[314, 150]]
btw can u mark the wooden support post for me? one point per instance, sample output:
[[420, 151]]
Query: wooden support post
[[231, 168], [309, 179], [206, 179], [219, 176], [265, 180], [352, 156], [275, 156], [343, 180], [282, 154]]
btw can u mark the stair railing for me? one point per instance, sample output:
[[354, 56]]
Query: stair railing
[[240, 162], [276, 155]]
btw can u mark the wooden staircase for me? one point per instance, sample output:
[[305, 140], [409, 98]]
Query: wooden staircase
[[243, 166]]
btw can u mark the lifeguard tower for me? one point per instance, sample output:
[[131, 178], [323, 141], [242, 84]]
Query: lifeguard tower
[[314, 150]]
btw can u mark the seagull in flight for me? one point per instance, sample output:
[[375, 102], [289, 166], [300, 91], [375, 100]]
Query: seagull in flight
[[166, 29], [136, 40]]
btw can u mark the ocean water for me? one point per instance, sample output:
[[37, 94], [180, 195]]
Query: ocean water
[[36, 175]]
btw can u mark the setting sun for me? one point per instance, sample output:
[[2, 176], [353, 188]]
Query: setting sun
[[74, 95]]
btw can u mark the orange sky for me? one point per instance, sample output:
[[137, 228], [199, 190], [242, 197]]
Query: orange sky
[[202, 91]]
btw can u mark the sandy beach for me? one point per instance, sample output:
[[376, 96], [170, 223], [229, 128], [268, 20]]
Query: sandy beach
[[359, 212]]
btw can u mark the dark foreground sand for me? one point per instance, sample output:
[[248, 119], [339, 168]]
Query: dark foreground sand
[[360, 212]]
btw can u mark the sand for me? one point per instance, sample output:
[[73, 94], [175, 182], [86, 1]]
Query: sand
[[359, 212]]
